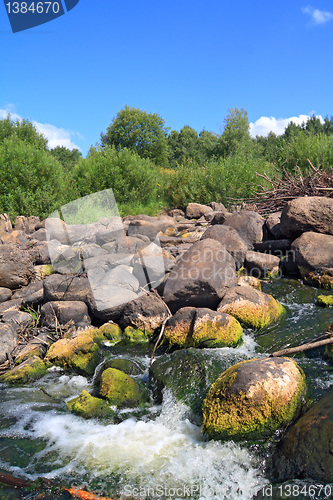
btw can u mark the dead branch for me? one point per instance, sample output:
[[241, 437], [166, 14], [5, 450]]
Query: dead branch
[[304, 347]]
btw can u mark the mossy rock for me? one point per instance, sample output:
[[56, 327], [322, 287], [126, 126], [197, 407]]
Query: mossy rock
[[127, 366], [135, 335], [122, 390], [323, 279], [188, 373], [31, 369], [81, 354], [43, 270], [87, 406], [254, 398], [202, 327], [111, 332], [325, 300], [251, 307], [247, 280]]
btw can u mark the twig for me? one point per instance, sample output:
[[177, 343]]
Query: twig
[[304, 347], [162, 329]]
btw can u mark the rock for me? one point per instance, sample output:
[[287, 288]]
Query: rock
[[219, 217], [5, 224], [251, 307], [135, 335], [325, 300], [81, 354], [32, 294], [308, 213], [5, 294], [195, 210], [87, 406], [217, 207], [200, 277], [306, 449], [56, 313], [176, 213], [188, 373], [122, 390], [31, 369], [111, 332], [230, 238], [249, 225], [253, 398], [273, 224], [10, 305], [39, 253], [16, 268], [17, 318], [262, 265], [26, 224], [143, 227], [314, 258], [146, 313], [15, 238], [40, 235], [8, 342], [42, 271], [202, 327], [249, 281], [276, 247], [59, 287], [127, 366], [36, 347]]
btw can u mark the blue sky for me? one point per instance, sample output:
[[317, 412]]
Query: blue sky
[[187, 61]]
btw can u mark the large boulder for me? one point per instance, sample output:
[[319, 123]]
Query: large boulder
[[262, 265], [308, 213], [229, 237], [306, 449], [56, 313], [195, 210], [201, 276], [88, 406], [16, 267], [248, 224], [122, 390], [251, 307], [8, 342], [273, 224], [31, 369], [254, 398], [146, 313], [62, 287], [314, 257], [202, 327]]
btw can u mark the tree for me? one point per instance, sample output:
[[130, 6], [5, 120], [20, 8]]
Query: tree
[[139, 131], [183, 145], [22, 130], [236, 133], [68, 158]]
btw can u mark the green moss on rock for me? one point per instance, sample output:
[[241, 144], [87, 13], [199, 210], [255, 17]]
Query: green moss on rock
[[31, 369], [325, 300], [135, 335], [253, 398], [224, 332], [87, 406], [122, 390], [111, 332]]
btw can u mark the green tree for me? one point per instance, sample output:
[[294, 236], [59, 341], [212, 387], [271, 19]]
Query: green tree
[[142, 132], [236, 133], [22, 130], [68, 158]]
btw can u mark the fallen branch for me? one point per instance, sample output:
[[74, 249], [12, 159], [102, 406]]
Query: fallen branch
[[303, 347], [162, 329]]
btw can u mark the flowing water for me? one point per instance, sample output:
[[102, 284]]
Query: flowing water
[[160, 454]]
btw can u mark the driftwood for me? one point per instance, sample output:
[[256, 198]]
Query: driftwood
[[318, 182], [304, 347], [162, 329]]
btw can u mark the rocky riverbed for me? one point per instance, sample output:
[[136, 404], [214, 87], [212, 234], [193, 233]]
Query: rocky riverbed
[[88, 299]]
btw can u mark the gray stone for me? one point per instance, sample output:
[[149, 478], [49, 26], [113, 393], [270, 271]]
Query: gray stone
[[8, 342], [16, 267], [61, 312], [308, 213]]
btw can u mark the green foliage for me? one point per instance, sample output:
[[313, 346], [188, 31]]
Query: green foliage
[[23, 131], [236, 134], [68, 158], [139, 131], [187, 144], [31, 180]]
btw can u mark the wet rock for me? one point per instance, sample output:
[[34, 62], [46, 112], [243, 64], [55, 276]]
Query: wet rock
[[122, 390], [128, 366], [16, 268], [8, 342], [308, 213], [81, 354], [325, 300], [88, 406], [56, 313], [195, 210], [253, 398], [111, 332], [5, 294], [202, 327], [146, 313], [306, 449], [230, 238], [200, 277], [262, 265], [31, 369], [314, 258], [188, 373], [251, 307], [133, 335]]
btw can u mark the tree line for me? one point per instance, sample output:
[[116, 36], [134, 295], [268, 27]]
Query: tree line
[[151, 168]]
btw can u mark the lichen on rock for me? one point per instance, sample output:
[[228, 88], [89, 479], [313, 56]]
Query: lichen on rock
[[122, 390], [31, 369], [87, 406]]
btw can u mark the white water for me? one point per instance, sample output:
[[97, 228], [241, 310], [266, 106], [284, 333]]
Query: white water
[[163, 457]]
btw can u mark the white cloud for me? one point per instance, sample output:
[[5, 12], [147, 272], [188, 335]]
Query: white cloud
[[55, 136], [266, 124], [317, 16]]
